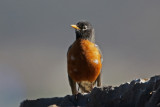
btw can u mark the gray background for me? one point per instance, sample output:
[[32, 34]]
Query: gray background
[[35, 36]]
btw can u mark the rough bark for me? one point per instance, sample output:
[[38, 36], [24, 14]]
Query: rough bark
[[137, 93]]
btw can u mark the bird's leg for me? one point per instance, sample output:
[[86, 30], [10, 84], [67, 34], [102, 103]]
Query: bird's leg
[[76, 95], [78, 87], [99, 83], [73, 86]]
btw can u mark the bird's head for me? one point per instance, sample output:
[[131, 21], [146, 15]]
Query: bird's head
[[84, 30]]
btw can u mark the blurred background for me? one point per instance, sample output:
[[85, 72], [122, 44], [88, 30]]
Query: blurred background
[[35, 36]]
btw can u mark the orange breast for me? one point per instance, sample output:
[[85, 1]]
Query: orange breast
[[84, 61]]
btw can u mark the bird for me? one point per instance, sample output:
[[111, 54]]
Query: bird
[[84, 59]]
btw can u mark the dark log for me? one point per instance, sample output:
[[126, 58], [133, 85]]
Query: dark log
[[137, 93]]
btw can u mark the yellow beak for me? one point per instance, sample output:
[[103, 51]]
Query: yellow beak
[[75, 26]]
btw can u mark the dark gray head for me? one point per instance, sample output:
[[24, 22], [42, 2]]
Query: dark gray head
[[84, 30]]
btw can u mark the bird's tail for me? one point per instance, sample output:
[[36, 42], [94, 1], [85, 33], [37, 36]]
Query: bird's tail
[[86, 86]]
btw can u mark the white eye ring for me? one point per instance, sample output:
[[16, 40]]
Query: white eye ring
[[85, 27]]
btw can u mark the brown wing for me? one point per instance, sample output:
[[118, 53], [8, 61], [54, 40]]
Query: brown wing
[[99, 78], [72, 83]]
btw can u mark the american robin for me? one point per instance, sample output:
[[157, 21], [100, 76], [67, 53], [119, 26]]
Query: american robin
[[84, 59]]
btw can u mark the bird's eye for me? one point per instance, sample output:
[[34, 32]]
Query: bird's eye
[[85, 27]]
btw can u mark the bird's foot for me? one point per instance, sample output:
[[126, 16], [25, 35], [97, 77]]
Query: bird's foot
[[77, 96]]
